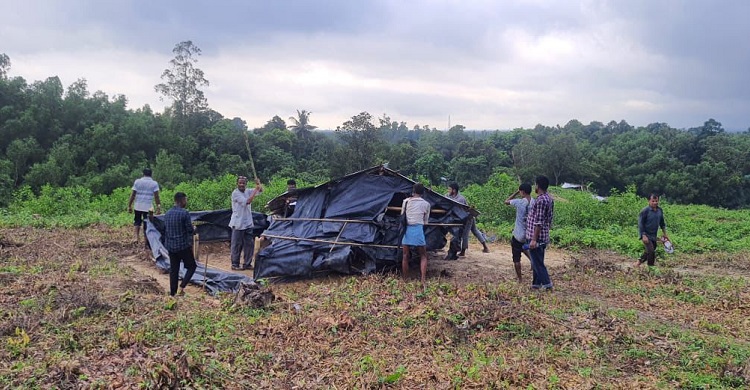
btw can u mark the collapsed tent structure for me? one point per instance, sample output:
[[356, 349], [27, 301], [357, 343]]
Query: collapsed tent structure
[[210, 226], [349, 225]]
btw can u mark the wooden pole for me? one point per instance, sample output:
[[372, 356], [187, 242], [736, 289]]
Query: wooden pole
[[337, 237], [432, 211], [205, 271], [354, 221], [250, 155], [331, 242]]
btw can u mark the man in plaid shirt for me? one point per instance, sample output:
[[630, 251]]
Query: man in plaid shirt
[[178, 240], [538, 223]]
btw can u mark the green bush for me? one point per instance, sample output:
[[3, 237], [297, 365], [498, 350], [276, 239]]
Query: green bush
[[580, 220]]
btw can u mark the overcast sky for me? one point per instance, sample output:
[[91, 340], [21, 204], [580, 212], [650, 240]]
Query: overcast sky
[[486, 64]]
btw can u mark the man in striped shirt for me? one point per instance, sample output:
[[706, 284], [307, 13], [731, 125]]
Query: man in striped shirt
[[538, 223]]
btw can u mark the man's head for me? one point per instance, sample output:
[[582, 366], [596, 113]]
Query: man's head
[[180, 199], [147, 172], [241, 183], [418, 189], [653, 200], [525, 189], [542, 183], [291, 185], [453, 188]]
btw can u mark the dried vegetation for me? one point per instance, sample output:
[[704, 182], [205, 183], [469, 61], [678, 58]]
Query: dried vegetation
[[76, 315]]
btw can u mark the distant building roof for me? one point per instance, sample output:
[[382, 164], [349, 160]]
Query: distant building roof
[[571, 186]]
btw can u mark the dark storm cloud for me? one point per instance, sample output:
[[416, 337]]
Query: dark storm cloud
[[495, 64]]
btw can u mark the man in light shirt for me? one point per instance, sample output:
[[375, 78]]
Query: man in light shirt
[[145, 191], [523, 205], [417, 212], [241, 223]]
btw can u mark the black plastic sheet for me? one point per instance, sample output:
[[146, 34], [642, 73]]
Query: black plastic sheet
[[210, 226], [317, 240]]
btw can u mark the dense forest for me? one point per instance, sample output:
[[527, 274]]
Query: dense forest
[[58, 136]]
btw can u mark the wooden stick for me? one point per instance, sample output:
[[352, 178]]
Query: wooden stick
[[353, 221], [250, 155], [196, 247], [337, 237], [432, 211], [205, 270], [322, 220], [331, 242]]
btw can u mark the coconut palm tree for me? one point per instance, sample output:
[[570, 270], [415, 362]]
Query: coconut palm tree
[[301, 124]]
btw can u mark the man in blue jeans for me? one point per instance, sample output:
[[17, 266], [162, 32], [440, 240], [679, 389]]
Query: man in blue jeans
[[178, 239], [538, 223]]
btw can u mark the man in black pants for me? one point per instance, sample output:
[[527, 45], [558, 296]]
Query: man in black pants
[[178, 240], [650, 220]]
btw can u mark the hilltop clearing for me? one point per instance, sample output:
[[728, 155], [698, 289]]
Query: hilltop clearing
[[80, 308]]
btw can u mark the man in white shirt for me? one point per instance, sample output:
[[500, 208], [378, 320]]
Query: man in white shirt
[[241, 223], [517, 240], [145, 191], [417, 211]]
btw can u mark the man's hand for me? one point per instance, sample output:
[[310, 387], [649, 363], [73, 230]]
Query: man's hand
[[158, 209], [130, 209], [533, 244], [645, 239]]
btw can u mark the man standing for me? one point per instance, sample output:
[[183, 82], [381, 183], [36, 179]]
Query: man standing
[[650, 219], [145, 190], [178, 239], [538, 223], [241, 223], [417, 212], [460, 240], [518, 238]]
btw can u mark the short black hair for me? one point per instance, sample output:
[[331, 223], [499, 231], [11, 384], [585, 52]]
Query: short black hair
[[291, 182], [653, 195], [542, 182], [418, 188], [454, 185], [525, 187], [179, 196], [147, 172]]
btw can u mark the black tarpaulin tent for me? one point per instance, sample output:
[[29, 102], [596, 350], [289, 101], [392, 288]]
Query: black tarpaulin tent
[[349, 225]]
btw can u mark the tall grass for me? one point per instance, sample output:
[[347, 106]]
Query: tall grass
[[580, 221]]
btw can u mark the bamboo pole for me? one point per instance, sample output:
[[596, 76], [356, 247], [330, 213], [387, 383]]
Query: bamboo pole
[[331, 242], [323, 220], [337, 237], [205, 270], [432, 211], [354, 221], [250, 155]]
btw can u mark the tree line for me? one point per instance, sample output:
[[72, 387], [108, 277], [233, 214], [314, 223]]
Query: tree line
[[58, 136]]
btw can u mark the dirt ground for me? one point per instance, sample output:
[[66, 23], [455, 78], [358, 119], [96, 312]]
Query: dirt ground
[[475, 267]]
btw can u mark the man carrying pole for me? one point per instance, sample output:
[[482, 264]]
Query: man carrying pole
[[241, 223]]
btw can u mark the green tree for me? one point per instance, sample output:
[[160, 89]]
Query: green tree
[[432, 166], [527, 159], [21, 152], [168, 169], [561, 156], [301, 124], [183, 80], [4, 66], [362, 140]]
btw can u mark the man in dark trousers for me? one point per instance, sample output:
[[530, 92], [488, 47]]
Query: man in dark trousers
[[538, 223], [650, 219], [460, 240], [178, 239]]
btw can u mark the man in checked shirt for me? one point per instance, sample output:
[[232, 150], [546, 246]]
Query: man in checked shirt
[[178, 240], [538, 223]]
